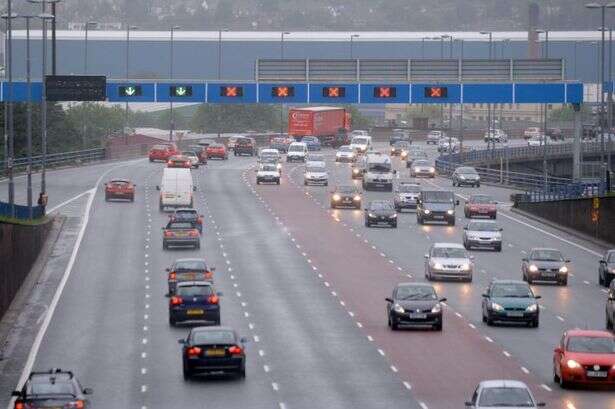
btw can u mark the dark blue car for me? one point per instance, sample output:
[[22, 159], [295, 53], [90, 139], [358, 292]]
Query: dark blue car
[[194, 301], [312, 142]]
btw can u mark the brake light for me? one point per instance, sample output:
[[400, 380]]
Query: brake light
[[168, 233], [193, 352], [79, 404], [213, 299], [199, 220], [176, 300], [170, 162], [194, 233], [19, 405], [172, 275], [235, 350], [209, 274]]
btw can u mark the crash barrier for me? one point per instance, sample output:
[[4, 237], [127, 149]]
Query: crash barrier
[[20, 212], [55, 159]]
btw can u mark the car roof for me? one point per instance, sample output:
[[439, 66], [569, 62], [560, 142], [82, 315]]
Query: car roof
[[448, 245], [410, 284], [195, 284], [543, 248], [588, 333], [499, 281], [502, 383], [215, 328], [181, 260], [119, 180]]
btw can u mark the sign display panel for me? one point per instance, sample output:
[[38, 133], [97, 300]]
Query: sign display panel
[[334, 92], [385, 92], [75, 87], [436, 92], [180, 91], [231, 91], [130, 90], [283, 91]]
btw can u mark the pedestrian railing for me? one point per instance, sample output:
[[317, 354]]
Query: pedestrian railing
[[55, 159]]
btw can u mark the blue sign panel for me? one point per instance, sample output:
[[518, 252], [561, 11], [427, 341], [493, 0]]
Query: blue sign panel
[[20, 91], [282, 93], [238, 93], [487, 93], [180, 92], [131, 92], [435, 93], [384, 93], [574, 93], [334, 93], [539, 93]]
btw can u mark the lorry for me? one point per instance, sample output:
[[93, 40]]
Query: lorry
[[329, 124]]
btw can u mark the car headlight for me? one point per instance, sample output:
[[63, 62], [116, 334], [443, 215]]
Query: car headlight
[[393, 216], [572, 364], [436, 308], [371, 215], [450, 211], [279, 166], [437, 266], [612, 270], [351, 155], [355, 171], [399, 309], [532, 308], [357, 198], [533, 268], [427, 211], [496, 307], [336, 197], [461, 177], [417, 169], [404, 154], [563, 269], [432, 170], [465, 267]]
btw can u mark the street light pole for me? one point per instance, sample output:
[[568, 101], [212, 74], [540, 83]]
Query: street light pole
[[220, 51], [128, 28], [282, 34], [29, 117], [352, 37], [88, 24], [491, 138], [10, 153], [610, 102], [172, 118]]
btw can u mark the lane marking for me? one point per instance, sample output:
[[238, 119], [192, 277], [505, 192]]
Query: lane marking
[[488, 339], [393, 368], [423, 405], [380, 351], [546, 387], [525, 370], [407, 385]]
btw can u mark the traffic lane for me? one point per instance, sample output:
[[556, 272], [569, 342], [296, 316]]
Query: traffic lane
[[316, 354], [164, 379], [93, 331], [371, 279]]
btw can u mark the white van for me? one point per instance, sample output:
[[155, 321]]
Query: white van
[[378, 172], [361, 143], [297, 152], [176, 188]]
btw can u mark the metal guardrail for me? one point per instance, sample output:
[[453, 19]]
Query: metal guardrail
[[428, 70], [58, 158]]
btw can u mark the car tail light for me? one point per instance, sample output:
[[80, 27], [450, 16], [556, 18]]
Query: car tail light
[[79, 404], [199, 220], [168, 233], [213, 299], [172, 275], [176, 300], [209, 274], [235, 350], [20, 405], [170, 162], [193, 352], [194, 233]]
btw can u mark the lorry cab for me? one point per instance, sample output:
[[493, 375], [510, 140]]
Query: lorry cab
[[378, 172], [436, 205], [176, 188]]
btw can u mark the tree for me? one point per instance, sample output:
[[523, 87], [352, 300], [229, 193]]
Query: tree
[[357, 119], [235, 118]]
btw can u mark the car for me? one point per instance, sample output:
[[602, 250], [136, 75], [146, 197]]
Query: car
[[361, 144], [269, 155], [510, 301], [268, 173], [495, 136], [55, 388], [194, 301], [436, 206], [380, 212], [201, 152], [213, 350], [297, 152], [584, 357], [162, 152], [315, 174], [480, 205], [378, 173], [555, 134], [422, 168], [399, 147], [610, 306], [120, 189], [346, 196], [280, 143], [482, 234], [536, 140], [180, 234], [193, 157], [503, 393], [466, 175], [345, 154], [606, 269], [406, 195], [544, 264], [399, 135], [448, 145], [188, 269], [179, 161], [217, 150], [414, 304], [433, 137], [312, 143], [244, 146], [412, 156], [532, 131], [448, 261], [187, 214]]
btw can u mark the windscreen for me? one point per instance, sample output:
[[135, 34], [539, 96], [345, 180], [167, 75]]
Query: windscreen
[[421, 163], [295, 148], [179, 225], [189, 153], [347, 189], [345, 148], [43, 386], [213, 337], [596, 345], [481, 199], [194, 290], [316, 169], [190, 265], [360, 140], [546, 255], [269, 168], [483, 226], [418, 292], [380, 167], [448, 252], [511, 290], [438, 197], [381, 205], [505, 397], [467, 171]]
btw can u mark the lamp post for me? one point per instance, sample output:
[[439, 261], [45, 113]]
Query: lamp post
[[53, 28], [282, 34], [610, 101], [423, 46], [10, 134], [171, 116], [128, 29], [546, 47], [450, 105], [352, 37], [220, 51], [544, 110], [489, 140], [88, 24]]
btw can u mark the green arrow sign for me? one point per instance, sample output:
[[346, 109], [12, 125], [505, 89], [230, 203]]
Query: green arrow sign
[[181, 91], [130, 91]]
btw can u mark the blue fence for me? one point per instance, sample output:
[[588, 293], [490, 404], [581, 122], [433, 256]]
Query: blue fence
[[21, 212]]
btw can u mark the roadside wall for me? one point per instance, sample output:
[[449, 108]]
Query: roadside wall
[[19, 248], [577, 214]]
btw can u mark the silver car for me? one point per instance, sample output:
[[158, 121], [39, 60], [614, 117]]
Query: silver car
[[448, 261], [497, 394], [482, 234], [315, 174]]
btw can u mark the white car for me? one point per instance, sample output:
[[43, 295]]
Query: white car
[[315, 174], [448, 261], [358, 132], [434, 137], [536, 140], [268, 173], [297, 152], [345, 154], [444, 146], [192, 156], [361, 144], [496, 135], [531, 132], [509, 394], [482, 234]]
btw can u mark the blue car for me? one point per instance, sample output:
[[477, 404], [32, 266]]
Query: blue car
[[194, 301], [312, 142]]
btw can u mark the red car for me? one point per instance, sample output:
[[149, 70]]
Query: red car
[[120, 189], [217, 150], [162, 152], [585, 357], [179, 161], [480, 205]]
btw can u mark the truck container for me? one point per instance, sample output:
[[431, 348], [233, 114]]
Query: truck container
[[329, 124]]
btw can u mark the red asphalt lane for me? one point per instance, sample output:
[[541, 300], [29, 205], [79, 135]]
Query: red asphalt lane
[[443, 368]]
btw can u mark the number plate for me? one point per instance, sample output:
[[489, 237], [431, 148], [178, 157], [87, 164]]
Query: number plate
[[597, 374], [514, 314], [417, 315], [548, 274], [438, 217], [194, 312], [215, 352]]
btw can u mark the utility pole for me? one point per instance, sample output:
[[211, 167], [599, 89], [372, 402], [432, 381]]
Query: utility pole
[[172, 118]]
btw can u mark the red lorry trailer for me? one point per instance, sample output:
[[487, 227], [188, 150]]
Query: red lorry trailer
[[329, 124]]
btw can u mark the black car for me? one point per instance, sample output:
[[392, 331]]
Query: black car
[[188, 269], [244, 146], [414, 304], [436, 205], [188, 215], [606, 270], [380, 212], [213, 351], [510, 301], [346, 196], [54, 388], [194, 301]]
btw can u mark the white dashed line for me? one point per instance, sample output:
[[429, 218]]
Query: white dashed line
[[407, 385], [506, 354], [546, 387], [380, 351], [525, 370]]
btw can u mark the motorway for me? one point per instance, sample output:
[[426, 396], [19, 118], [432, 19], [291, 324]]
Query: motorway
[[306, 285]]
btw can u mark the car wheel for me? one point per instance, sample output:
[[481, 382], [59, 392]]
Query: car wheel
[[165, 246], [242, 373], [172, 321], [562, 383], [453, 183], [489, 321], [498, 248], [438, 326], [451, 222], [197, 246], [478, 185], [106, 198], [305, 183], [278, 181], [466, 245], [563, 282], [600, 279], [258, 182], [394, 325], [535, 323], [367, 224], [394, 225], [609, 323], [484, 318], [419, 220]]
